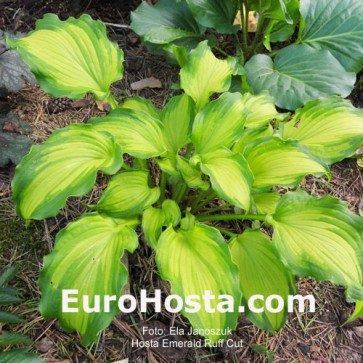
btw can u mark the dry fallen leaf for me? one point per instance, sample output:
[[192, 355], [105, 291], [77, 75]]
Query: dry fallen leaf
[[103, 106], [359, 151], [146, 83], [80, 103], [4, 189], [11, 126], [252, 21]]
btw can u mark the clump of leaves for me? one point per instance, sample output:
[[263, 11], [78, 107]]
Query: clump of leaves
[[10, 296], [320, 62], [13, 73], [236, 148]]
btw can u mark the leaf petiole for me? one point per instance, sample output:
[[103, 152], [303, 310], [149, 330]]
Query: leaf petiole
[[256, 39], [221, 51], [209, 195], [244, 18], [228, 217], [216, 209], [226, 232], [112, 102], [162, 187]]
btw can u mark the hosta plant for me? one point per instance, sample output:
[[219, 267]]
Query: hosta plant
[[325, 41], [235, 149]]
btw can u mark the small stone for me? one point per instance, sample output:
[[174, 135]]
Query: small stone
[[44, 345], [359, 331]]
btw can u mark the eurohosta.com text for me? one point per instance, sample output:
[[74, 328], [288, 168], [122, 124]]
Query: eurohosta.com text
[[73, 302]]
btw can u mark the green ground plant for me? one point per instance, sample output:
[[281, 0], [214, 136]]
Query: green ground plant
[[10, 296], [235, 148], [324, 41]]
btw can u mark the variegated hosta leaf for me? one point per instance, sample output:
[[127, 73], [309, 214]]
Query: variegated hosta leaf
[[261, 273], [249, 135], [357, 313], [127, 195], [154, 219], [195, 261], [277, 162], [65, 165], [138, 133], [180, 53], [331, 128], [86, 257], [177, 118], [320, 238], [72, 57], [168, 164], [204, 74], [219, 124], [141, 104], [265, 203], [230, 175], [191, 174], [261, 109]]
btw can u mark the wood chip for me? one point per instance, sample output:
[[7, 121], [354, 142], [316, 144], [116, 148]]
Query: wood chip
[[151, 82]]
